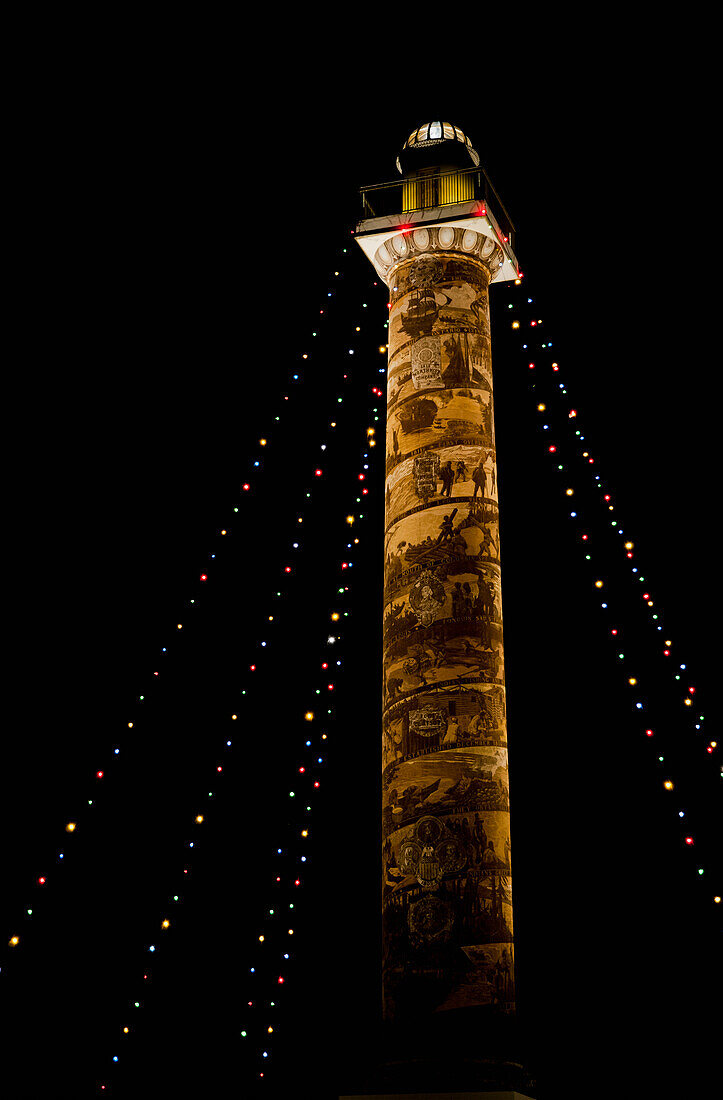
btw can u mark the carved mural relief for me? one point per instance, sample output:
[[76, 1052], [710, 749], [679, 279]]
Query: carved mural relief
[[447, 905]]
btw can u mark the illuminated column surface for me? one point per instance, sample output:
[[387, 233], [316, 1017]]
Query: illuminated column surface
[[446, 861]]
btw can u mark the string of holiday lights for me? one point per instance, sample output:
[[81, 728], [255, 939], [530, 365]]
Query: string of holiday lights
[[266, 936], [310, 770], [566, 442], [578, 438], [273, 933], [263, 938], [77, 825]]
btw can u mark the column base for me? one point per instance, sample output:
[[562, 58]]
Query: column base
[[444, 1096]]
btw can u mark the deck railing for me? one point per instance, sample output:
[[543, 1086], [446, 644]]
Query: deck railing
[[427, 190]]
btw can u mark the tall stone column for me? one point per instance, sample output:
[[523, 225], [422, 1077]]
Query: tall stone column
[[438, 237], [447, 902]]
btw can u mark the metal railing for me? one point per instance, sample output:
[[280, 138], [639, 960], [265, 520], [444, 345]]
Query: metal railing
[[423, 191]]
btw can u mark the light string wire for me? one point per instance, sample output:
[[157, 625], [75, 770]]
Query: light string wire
[[300, 828], [273, 932], [264, 936], [563, 429], [572, 415], [76, 825]]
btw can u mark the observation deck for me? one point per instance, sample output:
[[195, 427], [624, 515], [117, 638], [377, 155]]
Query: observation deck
[[441, 183]]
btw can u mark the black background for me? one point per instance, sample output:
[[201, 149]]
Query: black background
[[176, 224]]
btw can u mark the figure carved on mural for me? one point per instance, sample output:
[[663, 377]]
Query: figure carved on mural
[[446, 476], [479, 476], [426, 597], [446, 527], [456, 373], [430, 852]]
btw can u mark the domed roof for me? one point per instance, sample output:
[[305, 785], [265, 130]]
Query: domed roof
[[434, 133]]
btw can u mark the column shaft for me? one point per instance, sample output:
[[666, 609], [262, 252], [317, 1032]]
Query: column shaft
[[447, 908]]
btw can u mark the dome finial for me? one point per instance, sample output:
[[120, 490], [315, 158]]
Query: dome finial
[[419, 148]]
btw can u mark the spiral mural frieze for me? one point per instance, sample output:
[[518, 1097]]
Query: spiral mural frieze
[[447, 903]]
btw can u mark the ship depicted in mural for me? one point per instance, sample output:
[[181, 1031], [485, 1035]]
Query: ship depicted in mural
[[422, 311]]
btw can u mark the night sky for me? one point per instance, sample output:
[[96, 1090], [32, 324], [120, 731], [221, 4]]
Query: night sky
[[175, 239]]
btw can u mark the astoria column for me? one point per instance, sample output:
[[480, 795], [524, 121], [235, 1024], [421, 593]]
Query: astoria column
[[439, 237]]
